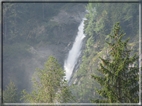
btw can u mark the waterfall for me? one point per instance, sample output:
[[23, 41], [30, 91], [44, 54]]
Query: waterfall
[[75, 52]]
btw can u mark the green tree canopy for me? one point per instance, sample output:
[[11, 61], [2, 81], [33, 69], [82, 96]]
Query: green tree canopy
[[10, 94], [49, 85], [120, 72]]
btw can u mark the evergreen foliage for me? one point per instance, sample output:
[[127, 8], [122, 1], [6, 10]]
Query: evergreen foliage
[[22, 21], [49, 85], [10, 94], [120, 72]]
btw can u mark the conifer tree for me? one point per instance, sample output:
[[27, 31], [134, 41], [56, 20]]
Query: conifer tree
[[119, 78], [10, 94], [48, 84]]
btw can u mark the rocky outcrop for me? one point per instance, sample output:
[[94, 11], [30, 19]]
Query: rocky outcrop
[[64, 29]]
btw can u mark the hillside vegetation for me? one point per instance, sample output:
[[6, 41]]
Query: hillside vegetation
[[34, 31], [100, 20], [38, 36]]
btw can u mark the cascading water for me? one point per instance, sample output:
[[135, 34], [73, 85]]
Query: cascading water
[[75, 52]]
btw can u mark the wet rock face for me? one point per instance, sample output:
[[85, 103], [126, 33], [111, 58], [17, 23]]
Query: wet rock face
[[71, 16], [66, 26]]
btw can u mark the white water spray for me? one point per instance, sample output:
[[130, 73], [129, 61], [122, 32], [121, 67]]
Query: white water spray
[[75, 52]]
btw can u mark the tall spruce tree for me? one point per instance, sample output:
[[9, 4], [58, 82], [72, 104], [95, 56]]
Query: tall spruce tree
[[119, 70], [48, 85]]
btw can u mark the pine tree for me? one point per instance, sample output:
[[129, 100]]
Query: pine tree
[[48, 84], [10, 94], [119, 78]]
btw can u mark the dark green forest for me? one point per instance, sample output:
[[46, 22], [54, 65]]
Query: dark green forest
[[38, 36]]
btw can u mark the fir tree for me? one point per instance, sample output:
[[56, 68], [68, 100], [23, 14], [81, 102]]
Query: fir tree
[[10, 94], [120, 72], [48, 84]]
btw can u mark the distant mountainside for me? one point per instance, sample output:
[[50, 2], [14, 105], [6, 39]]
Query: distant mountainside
[[34, 31]]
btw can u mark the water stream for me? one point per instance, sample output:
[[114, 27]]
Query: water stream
[[75, 52]]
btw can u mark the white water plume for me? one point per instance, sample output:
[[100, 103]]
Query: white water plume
[[75, 52]]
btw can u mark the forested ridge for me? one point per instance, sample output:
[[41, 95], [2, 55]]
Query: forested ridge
[[36, 41], [101, 18]]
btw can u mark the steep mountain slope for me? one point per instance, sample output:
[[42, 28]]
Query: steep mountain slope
[[100, 20], [34, 31]]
